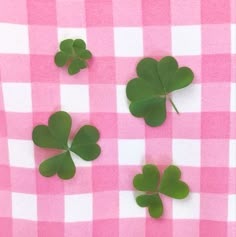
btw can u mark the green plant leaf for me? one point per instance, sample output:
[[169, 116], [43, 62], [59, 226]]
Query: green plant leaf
[[149, 91], [66, 46], [79, 44], [85, 143], [85, 54], [61, 59], [74, 66]]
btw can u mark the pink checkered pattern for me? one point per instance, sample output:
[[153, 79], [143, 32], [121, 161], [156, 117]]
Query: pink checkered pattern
[[99, 201]]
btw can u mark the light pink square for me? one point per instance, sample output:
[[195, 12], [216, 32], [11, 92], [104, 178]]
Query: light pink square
[[232, 125], [50, 208], [21, 72], [210, 228], [70, 13], [233, 20], [19, 125], [211, 101], [191, 128], [106, 228], [6, 227], [215, 12], [42, 12], [5, 204], [132, 227], [99, 65], [215, 125], [105, 178], [100, 202], [3, 127], [211, 202], [127, 13], [231, 229], [1, 101], [126, 175], [25, 228], [23, 180], [214, 152], [214, 180], [188, 227], [216, 68], [78, 229], [216, 39], [50, 229], [101, 41], [4, 151], [184, 12], [154, 34], [98, 13], [156, 12], [42, 39], [102, 98], [163, 226]]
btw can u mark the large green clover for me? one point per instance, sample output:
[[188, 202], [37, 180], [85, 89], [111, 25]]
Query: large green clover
[[56, 136], [149, 91]]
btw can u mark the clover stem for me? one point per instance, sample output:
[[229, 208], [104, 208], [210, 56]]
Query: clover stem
[[171, 101]]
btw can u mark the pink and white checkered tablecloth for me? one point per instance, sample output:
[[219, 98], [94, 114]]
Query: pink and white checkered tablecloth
[[99, 200]]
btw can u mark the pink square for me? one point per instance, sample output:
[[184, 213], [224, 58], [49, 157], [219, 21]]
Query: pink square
[[70, 13], [19, 125], [156, 12], [211, 101], [42, 93], [81, 77], [106, 228], [233, 67], [188, 227], [126, 175], [5, 205], [214, 152], [130, 127], [232, 125], [132, 227], [214, 180], [213, 228], [101, 200], [154, 34], [6, 227], [21, 72], [215, 12], [3, 127], [4, 151], [102, 98], [50, 208], [98, 13], [42, 39], [105, 178], [78, 229], [5, 183], [231, 183], [211, 202], [102, 121], [215, 125], [216, 39], [163, 226], [101, 41], [42, 12], [191, 128], [13, 11], [25, 228], [98, 66], [125, 69], [127, 13], [184, 12], [50, 229], [43, 69], [216, 68], [23, 180]]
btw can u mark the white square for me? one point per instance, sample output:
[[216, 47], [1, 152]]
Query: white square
[[186, 152], [78, 207], [188, 208], [71, 33], [233, 97], [21, 153], [24, 206], [188, 99], [122, 100], [75, 98], [14, 39], [131, 151], [80, 162], [232, 153], [186, 40], [128, 41], [232, 207], [17, 97], [233, 38], [128, 207]]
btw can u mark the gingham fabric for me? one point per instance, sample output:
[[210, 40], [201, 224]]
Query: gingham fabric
[[99, 200]]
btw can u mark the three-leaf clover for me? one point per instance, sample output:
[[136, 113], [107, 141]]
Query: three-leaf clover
[[56, 136], [150, 90], [73, 53], [170, 185]]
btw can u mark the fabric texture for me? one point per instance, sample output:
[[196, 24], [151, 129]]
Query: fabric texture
[[100, 200]]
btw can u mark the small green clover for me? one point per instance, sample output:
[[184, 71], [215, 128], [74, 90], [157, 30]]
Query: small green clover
[[56, 136], [73, 53], [149, 91], [170, 185]]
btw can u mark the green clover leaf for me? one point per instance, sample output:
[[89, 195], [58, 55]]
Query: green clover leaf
[[170, 185], [56, 135], [73, 53], [150, 90]]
